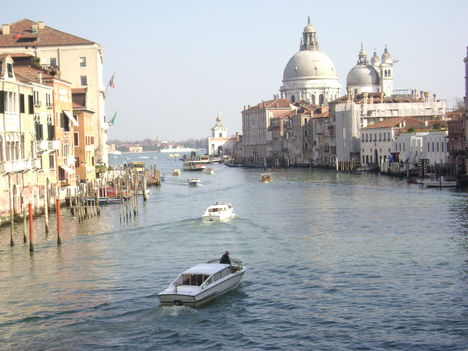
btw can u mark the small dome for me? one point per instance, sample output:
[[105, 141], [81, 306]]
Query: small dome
[[309, 64], [375, 59], [386, 56], [362, 75], [309, 29]]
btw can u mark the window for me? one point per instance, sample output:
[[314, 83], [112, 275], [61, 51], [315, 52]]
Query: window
[[76, 139], [367, 137], [293, 98], [437, 147], [82, 61], [77, 162], [380, 136], [432, 146], [53, 61], [51, 162], [84, 80], [39, 131], [48, 100], [321, 99], [22, 106], [31, 104], [10, 70], [65, 123], [442, 146], [37, 102]]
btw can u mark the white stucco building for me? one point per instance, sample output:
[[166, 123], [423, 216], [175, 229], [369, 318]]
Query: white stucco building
[[310, 74], [350, 114], [422, 145], [80, 61]]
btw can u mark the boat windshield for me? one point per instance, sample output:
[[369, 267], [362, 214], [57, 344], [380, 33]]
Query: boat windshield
[[192, 279]]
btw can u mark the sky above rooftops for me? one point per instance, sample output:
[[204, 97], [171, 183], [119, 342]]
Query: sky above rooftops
[[178, 63]]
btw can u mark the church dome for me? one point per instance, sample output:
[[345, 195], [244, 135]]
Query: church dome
[[361, 75], [309, 64]]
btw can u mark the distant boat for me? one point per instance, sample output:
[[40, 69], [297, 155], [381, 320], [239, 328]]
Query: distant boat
[[177, 149], [116, 152], [193, 181], [176, 172], [194, 166], [442, 182], [208, 171], [266, 178]]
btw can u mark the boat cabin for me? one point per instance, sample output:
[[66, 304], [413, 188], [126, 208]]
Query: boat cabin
[[200, 274]]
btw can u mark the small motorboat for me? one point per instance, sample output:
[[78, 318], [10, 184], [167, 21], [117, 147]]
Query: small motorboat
[[193, 181], [208, 171], [266, 178], [219, 211], [176, 172], [202, 283]]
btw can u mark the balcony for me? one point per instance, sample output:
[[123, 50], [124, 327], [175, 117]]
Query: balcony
[[48, 145], [15, 166]]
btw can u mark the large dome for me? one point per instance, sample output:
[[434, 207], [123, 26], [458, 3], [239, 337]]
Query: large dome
[[362, 74], [309, 64]]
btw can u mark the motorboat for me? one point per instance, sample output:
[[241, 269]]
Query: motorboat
[[202, 283], [219, 211], [208, 171], [442, 182], [266, 178], [176, 172], [194, 166], [193, 181], [174, 156]]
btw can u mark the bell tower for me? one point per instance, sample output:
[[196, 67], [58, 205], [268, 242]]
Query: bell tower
[[219, 130]]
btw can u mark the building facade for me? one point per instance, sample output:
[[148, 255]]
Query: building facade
[[77, 60]]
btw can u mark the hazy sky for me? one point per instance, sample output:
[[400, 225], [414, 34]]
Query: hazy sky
[[179, 63]]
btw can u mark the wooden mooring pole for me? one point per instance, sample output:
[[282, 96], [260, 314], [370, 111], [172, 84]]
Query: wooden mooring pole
[[57, 206], [31, 223]]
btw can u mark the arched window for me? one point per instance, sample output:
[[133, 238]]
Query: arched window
[[312, 99], [293, 98], [321, 99]]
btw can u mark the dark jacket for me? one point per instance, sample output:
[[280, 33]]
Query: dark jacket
[[225, 259]]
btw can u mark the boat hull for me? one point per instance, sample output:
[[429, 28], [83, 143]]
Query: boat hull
[[204, 296]]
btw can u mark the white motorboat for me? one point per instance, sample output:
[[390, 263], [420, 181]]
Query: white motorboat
[[219, 211], [202, 283], [266, 178], [193, 181], [176, 172]]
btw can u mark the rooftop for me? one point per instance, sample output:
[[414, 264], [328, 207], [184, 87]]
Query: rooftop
[[29, 33]]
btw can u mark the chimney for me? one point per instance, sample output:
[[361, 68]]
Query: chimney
[[34, 28], [5, 29], [41, 24]]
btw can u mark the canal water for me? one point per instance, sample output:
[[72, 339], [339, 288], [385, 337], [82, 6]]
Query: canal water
[[334, 262]]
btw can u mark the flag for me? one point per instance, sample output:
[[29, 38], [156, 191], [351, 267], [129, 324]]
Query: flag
[[112, 81], [112, 121]]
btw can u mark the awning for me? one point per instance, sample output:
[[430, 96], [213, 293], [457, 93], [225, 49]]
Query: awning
[[71, 118], [67, 169]]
